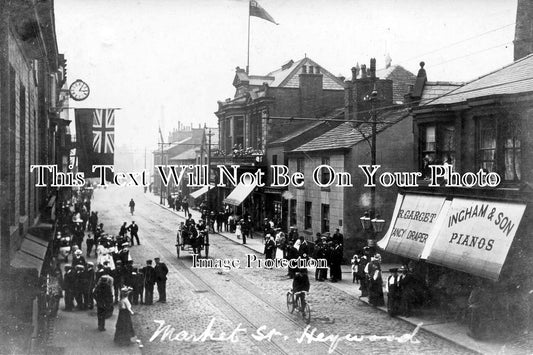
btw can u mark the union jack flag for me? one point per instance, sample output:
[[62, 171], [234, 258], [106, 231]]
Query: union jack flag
[[104, 131]]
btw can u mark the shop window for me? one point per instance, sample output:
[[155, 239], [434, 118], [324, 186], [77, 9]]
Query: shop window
[[498, 147], [308, 219], [437, 146], [325, 218]]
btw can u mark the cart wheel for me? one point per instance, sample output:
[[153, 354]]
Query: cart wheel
[[290, 302]]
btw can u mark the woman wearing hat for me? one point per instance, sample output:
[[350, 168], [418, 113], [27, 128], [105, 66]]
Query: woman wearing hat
[[124, 327]]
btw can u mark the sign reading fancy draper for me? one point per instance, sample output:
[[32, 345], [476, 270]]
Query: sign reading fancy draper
[[476, 235], [413, 223]]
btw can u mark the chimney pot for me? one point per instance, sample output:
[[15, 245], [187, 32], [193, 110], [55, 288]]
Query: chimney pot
[[354, 73], [363, 71]]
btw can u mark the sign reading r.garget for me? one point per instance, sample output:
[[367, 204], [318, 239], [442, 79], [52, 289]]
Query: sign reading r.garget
[[413, 223], [476, 235]]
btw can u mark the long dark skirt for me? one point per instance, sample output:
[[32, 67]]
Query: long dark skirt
[[124, 328], [375, 296]]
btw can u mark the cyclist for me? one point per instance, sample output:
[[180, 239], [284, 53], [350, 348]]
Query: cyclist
[[300, 283], [132, 206]]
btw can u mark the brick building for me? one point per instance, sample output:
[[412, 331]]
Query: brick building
[[480, 239], [297, 89], [322, 209], [33, 130]]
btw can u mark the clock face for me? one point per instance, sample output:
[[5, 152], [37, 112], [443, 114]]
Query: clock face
[[79, 90]]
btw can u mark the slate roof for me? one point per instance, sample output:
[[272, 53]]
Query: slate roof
[[284, 139], [186, 155], [287, 76], [435, 89], [514, 78], [345, 135]]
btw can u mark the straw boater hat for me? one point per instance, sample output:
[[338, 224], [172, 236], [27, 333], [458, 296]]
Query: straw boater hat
[[124, 291], [77, 218]]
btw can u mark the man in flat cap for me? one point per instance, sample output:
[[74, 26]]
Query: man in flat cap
[[161, 272], [149, 281]]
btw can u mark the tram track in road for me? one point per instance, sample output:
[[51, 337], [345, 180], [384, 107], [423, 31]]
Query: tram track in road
[[236, 287]]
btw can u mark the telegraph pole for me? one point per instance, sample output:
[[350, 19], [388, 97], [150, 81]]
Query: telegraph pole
[[161, 144]]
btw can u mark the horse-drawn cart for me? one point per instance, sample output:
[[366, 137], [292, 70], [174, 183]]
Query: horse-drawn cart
[[190, 239]]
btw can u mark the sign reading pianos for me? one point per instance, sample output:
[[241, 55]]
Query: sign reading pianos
[[475, 236]]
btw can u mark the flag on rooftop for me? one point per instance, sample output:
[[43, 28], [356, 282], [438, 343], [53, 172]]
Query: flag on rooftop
[[257, 11]]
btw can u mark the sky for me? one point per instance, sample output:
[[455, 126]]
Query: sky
[[164, 61]]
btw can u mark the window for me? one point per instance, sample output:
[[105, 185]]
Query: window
[[325, 173], [274, 159], [437, 145], [487, 146], [238, 131], [325, 218], [307, 221], [300, 165], [22, 144], [255, 130], [512, 152], [292, 212], [498, 147]]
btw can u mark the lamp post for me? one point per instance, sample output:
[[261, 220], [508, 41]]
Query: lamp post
[[371, 221]]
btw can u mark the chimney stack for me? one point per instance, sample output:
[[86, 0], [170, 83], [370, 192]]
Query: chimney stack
[[523, 36], [363, 71], [372, 67]]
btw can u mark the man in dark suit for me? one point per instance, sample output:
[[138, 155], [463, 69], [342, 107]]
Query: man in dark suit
[[149, 281], [134, 229], [161, 272]]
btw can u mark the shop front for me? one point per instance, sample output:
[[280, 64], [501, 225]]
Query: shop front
[[470, 256]]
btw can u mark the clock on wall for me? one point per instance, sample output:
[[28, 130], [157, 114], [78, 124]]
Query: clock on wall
[[79, 90]]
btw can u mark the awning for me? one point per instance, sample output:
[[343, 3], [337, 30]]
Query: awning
[[475, 236], [31, 253], [414, 221], [201, 191], [239, 194]]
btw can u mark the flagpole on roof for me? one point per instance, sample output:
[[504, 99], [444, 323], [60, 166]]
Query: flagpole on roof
[[254, 9], [248, 53]]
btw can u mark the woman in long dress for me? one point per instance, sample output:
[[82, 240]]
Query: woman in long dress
[[376, 297], [124, 327]]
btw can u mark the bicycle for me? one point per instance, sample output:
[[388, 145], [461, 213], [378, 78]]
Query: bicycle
[[295, 302]]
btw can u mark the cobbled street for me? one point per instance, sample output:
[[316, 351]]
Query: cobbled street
[[247, 301]]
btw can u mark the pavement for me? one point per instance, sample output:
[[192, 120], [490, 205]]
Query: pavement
[[433, 322], [76, 332]]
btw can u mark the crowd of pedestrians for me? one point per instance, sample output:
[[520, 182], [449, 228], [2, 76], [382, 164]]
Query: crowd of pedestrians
[[112, 279]]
